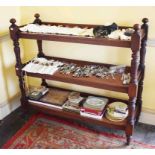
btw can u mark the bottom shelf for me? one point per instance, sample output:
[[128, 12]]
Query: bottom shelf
[[54, 109], [43, 107]]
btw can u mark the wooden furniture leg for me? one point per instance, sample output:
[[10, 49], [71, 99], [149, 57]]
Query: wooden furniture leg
[[131, 120], [39, 43], [144, 27], [133, 86], [14, 35]]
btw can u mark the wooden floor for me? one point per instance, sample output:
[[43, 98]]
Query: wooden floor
[[12, 123]]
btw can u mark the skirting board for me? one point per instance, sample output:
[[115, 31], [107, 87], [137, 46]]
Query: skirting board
[[147, 116], [7, 108]]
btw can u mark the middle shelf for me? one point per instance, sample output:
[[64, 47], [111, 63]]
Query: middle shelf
[[115, 84]]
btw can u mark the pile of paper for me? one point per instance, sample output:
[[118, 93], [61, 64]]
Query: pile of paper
[[42, 66]]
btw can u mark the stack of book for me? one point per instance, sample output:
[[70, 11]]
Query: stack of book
[[35, 93], [117, 111], [94, 107], [73, 102]]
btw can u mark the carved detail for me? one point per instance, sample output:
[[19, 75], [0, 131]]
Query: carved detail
[[135, 46], [13, 21], [139, 97], [17, 54], [14, 35], [144, 27], [13, 29], [131, 117], [20, 72], [134, 67], [142, 54], [39, 43], [37, 20]]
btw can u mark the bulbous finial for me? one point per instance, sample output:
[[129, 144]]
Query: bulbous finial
[[37, 15], [145, 20], [136, 27], [13, 21], [37, 20]]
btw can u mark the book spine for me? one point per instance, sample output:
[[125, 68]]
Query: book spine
[[90, 111], [91, 116]]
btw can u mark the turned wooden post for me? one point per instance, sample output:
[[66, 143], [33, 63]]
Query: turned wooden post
[[39, 44], [144, 28], [14, 36], [37, 20], [133, 86]]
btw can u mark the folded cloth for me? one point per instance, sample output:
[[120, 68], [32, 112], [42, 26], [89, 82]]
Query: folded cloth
[[35, 28], [119, 34]]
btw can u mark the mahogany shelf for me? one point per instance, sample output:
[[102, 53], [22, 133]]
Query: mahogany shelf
[[52, 108], [76, 39], [60, 112], [108, 84], [134, 89]]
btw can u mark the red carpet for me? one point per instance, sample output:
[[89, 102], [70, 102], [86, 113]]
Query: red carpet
[[42, 131]]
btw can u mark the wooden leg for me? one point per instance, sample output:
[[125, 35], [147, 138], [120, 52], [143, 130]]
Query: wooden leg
[[139, 97], [131, 119], [128, 139], [44, 83], [139, 105], [23, 98], [24, 104]]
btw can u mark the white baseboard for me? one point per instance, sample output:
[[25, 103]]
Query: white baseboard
[[147, 118], [7, 108]]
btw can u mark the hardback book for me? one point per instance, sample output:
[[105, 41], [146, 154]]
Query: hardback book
[[92, 111], [91, 115], [95, 103], [55, 96]]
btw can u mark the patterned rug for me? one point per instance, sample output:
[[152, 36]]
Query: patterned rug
[[43, 131]]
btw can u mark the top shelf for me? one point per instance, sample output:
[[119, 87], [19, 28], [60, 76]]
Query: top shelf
[[139, 30], [76, 39]]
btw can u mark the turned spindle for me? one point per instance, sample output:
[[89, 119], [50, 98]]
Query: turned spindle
[[14, 36], [37, 20], [133, 86], [139, 102]]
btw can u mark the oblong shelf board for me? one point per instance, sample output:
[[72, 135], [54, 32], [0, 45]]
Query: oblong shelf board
[[108, 84]]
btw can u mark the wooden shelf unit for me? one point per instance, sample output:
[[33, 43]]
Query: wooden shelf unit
[[133, 89]]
